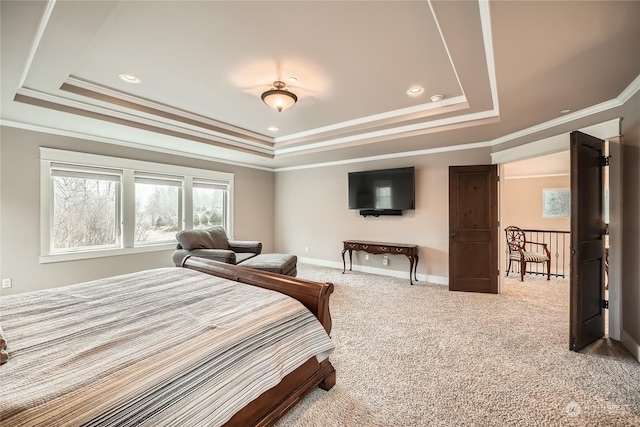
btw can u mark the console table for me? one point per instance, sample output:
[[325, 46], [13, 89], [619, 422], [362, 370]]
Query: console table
[[411, 252]]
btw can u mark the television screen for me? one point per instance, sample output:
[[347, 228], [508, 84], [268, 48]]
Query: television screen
[[387, 189]]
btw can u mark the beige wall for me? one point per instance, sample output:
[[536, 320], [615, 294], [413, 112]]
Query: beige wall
[[522, 199], [311, 211], [630, 292], [522, 207], [20, 211]]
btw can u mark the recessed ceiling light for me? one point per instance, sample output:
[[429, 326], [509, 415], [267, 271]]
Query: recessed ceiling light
[[292, 79], [273, 128], [415, 91], [437, 98], [130, 78], [565, 111]]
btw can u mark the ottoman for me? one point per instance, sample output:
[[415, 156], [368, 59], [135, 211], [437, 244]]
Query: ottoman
[[274, 263]]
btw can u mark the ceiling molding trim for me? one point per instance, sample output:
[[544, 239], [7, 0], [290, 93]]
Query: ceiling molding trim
[[482, 115], [128, 144], [546, 175], [630, 90], [57, 103], [415, 153], [446, 47], [553, 144], [620, 100], [373, 118], [487, 35], [146, 104], [44, 21]]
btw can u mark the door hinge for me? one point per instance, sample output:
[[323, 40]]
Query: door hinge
[[498, 273], [605, 160], [605, 303]]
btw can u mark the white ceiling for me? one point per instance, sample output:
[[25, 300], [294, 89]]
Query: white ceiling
[[501, 67]]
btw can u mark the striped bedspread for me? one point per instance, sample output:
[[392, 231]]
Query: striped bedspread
[[163, 347]]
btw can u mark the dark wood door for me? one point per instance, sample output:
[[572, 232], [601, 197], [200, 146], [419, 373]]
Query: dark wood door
[[473, 228], [587, 241]]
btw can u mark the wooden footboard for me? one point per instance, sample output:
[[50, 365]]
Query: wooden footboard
[[313, 295], [267, 409]]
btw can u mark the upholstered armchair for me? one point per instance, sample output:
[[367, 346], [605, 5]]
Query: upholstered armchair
[[516, 244], [214, 244]]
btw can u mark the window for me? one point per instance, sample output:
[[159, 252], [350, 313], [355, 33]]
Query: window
[[157, 211], [209, 204], [93, 206], [86, 212]]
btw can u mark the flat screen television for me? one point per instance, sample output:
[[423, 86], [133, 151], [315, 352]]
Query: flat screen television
[[382, 192]]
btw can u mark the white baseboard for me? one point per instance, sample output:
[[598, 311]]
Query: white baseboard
[[438, 280], [630, 344]]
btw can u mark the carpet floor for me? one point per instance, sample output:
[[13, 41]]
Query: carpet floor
[[423, 356]]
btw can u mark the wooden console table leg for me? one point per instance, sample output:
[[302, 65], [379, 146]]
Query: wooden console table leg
[[413, 268], [344, 264], [411, 262]]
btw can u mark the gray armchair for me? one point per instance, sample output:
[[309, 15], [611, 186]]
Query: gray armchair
[[214, 244]]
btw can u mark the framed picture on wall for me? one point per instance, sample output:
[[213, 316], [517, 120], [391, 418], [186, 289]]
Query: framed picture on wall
[[556, 203]]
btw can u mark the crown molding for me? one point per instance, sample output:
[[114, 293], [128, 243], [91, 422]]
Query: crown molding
[[546, 175], [128, 144], [85, 88], [389, 156], [397, 132], [460, 101], [618, 101], [45, 100]]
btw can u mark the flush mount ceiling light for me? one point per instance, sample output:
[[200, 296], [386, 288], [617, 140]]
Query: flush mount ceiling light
[[437, 98], [415, 91], [278, 97], [130, 78]]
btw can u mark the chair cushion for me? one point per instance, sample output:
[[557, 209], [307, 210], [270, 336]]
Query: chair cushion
[[213, 238], [529, 257]]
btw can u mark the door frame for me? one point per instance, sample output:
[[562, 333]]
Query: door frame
[[609, 131]]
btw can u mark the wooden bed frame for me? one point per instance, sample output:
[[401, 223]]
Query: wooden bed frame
[[274, 403]]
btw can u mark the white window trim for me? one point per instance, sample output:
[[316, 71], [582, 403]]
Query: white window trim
[[128, 166]]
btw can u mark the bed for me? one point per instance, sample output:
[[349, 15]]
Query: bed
[[204, 344]]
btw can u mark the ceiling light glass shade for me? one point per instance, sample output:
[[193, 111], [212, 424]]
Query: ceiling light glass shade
[[130, 78], [279, 98]]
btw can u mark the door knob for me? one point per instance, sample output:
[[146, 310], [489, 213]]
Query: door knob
[[452, 234]]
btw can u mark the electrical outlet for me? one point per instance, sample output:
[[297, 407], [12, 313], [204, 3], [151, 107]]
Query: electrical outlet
[[6, 283], [366, 257], [306, 248], [385, 260]]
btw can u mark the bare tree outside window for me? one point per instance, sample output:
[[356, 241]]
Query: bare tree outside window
[[208, 207], [157, 212], [95, 206], [84, 212]]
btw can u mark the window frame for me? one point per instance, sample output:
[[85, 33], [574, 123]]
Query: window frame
[[57, 169], [127, 200]]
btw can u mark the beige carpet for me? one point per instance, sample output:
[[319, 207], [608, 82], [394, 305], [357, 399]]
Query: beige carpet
[[421, 356]]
